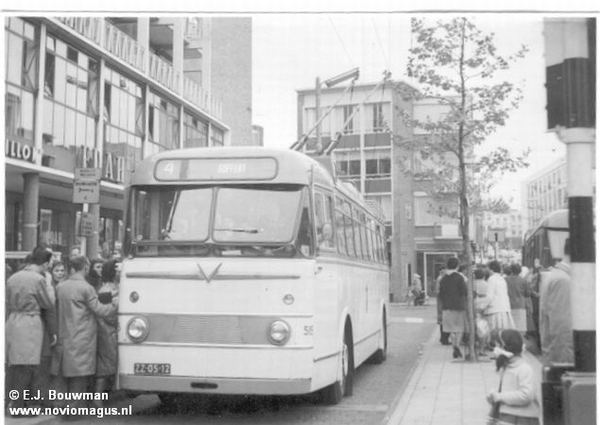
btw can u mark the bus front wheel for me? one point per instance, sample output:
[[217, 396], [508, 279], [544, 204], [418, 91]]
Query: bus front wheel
[[334, 393]]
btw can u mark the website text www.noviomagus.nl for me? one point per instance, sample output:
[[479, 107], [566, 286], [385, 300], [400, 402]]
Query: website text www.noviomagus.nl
[[98, 412]]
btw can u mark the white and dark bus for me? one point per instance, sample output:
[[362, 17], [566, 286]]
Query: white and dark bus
[[248, 271]]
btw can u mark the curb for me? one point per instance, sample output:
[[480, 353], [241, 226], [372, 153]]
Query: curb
[[400, 404]]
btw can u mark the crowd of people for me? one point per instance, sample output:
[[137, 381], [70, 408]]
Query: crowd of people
[[514, 308], [61, 328]]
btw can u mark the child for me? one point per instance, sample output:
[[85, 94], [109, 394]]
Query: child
[[517, 391]]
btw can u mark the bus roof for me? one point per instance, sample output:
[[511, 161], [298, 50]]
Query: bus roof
[[556, 220]]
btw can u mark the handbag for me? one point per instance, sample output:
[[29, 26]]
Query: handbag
[[493, 417]]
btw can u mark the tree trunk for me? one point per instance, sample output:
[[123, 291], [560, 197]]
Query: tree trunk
[[464, 208]]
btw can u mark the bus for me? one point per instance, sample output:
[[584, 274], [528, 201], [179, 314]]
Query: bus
[[249, 271], [547, 241]]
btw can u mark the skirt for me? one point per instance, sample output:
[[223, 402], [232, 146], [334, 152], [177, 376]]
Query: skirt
[[499, 321], [454, 321], [519, 316]]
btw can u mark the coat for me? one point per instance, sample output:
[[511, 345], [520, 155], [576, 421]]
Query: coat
[[519, 394], [556, 328], [496, 299], [106, 364], [26, 301], [78, 307]]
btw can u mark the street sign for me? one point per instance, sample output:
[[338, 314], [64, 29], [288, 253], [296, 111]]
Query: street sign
[[87, 224], [88, 173], [86, 186], [496, 235]]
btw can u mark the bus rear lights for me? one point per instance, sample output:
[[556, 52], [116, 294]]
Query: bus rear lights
[[279, 332], [288, 299], [137, 329], [134, 297]]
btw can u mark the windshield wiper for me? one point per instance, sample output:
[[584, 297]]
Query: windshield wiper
[[239, 229]]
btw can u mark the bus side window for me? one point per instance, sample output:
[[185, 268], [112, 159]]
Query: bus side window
[[339, 227], [324, 221], [305, 232]]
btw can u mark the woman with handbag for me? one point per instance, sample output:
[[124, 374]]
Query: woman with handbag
[[516, 401]]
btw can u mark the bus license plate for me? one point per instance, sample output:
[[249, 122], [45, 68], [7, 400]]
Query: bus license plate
[[152, 368]]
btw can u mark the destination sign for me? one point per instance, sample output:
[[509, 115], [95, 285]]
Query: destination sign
[[199, 169]]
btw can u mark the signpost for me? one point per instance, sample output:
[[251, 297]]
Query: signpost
[[86, 186], [86, 190]]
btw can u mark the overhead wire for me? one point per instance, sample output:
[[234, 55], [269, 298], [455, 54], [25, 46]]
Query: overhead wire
[[341, 42]]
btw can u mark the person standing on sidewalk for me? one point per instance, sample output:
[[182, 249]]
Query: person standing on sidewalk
[[556, 327], [27, 303], [444, 336], [496, 306], [453, 294], [516, 395], [74, 359], [518, 294]]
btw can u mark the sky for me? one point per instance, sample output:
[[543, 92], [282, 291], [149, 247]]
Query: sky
[[291, 50]]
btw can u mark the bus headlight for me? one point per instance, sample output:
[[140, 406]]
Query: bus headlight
[[279, 332], [137, 329]]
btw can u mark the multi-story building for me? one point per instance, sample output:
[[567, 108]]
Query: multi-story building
[[371, 156], [543, 192], [92, 92], [509, 225]]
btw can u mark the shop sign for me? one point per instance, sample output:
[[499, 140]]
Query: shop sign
[[112, 165], [18, 150], [87, 225]]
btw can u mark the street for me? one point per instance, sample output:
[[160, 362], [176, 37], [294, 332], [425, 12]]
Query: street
[[377, 389]]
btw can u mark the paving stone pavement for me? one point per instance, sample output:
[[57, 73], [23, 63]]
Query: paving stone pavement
[[445, 391]]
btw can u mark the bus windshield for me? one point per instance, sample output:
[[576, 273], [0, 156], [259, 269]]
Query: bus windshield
[[175, 220]]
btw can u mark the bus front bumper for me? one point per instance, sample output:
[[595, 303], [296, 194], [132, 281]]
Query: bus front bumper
[[186, 384]]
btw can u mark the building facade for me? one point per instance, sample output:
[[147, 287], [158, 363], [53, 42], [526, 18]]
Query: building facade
[[88, 92], [543, 192], [371, 156]]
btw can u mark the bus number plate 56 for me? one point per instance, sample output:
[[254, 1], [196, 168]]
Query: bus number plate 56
[[152, 368]]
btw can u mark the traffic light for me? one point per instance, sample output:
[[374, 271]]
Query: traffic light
[[570, 72]]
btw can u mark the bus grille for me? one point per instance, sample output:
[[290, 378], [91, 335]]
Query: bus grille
[[197, 329]]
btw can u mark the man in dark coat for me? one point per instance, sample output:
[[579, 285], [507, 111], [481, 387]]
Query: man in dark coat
[[74, 359], [26, 301]]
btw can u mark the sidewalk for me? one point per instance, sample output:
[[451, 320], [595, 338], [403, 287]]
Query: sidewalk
[[444, 391]]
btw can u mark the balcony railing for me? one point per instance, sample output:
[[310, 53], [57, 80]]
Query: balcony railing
[[88, 27], [194, 93], [124, 47], [127, 49], [163, 72]]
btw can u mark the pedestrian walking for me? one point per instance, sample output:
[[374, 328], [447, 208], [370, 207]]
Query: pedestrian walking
[[556, 328], [453, 293], [496, 305], [74, 359], [516, 400], [106, 365], [518, 294], [27, 303], [416, 289]]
